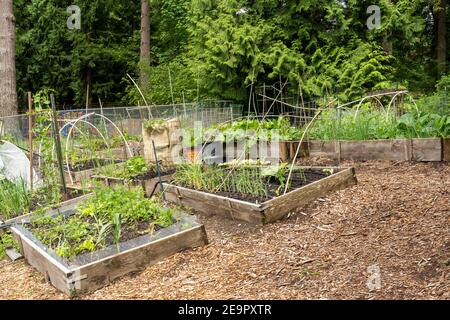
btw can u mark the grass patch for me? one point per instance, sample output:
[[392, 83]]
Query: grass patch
[[14, 198]]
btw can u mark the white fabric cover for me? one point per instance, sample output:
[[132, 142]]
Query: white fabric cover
[[14, 164]]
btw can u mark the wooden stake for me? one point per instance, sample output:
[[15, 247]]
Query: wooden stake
[[158, 170], [30, 135]]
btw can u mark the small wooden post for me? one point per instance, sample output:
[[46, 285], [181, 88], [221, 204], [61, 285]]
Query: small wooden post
[[30, 135], [158, 170]]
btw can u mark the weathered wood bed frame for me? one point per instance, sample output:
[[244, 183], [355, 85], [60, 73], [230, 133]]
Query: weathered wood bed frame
[[268, 211], [95, 270]]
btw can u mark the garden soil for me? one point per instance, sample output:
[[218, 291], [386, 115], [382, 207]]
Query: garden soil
[[395, 221]]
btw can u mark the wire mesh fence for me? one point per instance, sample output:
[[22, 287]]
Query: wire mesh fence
[[93, 139], [127, 119]]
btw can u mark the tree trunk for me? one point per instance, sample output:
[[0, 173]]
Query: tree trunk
[[441, 36], [8, 93], [88, 87], [387, 44], [387, 39], [145, 41]]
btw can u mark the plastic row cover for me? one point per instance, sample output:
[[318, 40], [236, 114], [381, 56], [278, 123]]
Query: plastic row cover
[[14, 164]]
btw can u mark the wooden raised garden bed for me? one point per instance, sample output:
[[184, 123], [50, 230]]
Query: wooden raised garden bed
[[122, 153], [116, 153], [91, 271], [288, 149], [150, 184], [65, 204], [262, 150], [446, 151], [76, 176], [426, 150], [269, 210]]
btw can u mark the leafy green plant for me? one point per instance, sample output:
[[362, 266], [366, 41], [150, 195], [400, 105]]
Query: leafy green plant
[[94, 142], [7, 241], [130, 169], [104, 215], [117, 141], [367, 123], [423, 125], [133, 167], [153, 124], [267, 129], [246, 131], [165, 217], [278, 172], [102, 229]]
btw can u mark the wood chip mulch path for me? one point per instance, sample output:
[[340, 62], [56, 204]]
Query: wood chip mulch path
[[396, 219]]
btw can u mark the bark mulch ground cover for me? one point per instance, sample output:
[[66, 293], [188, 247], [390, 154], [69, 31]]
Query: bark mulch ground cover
[[397, 218]]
